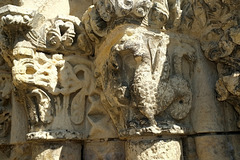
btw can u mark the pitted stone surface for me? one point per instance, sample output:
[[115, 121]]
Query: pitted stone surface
[[119, 79]]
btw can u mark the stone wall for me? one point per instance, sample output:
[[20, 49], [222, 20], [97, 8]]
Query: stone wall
[[120, 79]]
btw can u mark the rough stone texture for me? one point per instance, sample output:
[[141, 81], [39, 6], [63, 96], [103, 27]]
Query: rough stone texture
[[153, 149], [48, 8], [213, 147], [54, 151], [77, 8], [104, 150], [119, 79]]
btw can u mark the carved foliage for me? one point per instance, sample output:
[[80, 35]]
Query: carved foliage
[[137, 76], [40, 108], [46, 77], [221, 45], [5, 104], [5, 110], [64, 33], [53, 74], [105, 14]]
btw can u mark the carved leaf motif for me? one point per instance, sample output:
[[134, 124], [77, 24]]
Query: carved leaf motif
[[142, 8], [98, 25], [43, 108], [105, 9], [123, 7], [183, 94], [63, 32], [159, 14], [200, 14], [78, 107], [54, 38], [152, 45], [183, 103], [68, 80], [78, 104], [32, 110]]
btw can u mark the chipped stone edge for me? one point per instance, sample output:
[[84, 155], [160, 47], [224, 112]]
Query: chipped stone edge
[[54, 135]]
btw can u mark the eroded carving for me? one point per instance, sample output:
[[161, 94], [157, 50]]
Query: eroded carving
[[62, 33], [223, 49], [5, 104], [5, 108], [52, 71], [140, 78], [106, 13], [43, 111], [137, 76], [130, 56], [54, 75]]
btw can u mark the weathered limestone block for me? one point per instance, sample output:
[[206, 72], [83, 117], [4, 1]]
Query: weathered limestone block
[[234, 145], [48, 8], [113, 149], [56, 90], [220, 45], [211, 147], [136, 75], [21, 151], [56, 151], [155, 149], [128, 79], [206, 115], [189, 148], [19, 116]]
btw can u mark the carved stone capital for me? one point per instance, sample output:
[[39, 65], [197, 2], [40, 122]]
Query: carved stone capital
[[52, 71], [130, 79], [143, 81]]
